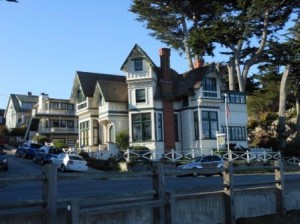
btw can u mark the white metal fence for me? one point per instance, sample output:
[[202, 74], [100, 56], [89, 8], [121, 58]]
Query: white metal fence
[[258, 155]]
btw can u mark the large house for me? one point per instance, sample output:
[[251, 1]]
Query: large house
[[18, 111], [161, 109], [54, 118]]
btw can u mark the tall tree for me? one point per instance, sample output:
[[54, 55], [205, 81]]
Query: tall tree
[[286, 55], [170, 21], [243, 27]]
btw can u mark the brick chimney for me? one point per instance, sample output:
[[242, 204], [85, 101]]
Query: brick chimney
[[164, 54], [166, 82], [167, 95], [198, 63]]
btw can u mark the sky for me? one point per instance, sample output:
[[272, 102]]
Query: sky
[[43, 44]]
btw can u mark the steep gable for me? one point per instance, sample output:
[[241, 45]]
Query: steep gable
[[188, 80], [87, 82], [19, 99], [137, 52]]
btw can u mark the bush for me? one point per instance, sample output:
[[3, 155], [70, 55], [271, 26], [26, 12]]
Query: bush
[[99, 164], [122, 139], [60, 144]]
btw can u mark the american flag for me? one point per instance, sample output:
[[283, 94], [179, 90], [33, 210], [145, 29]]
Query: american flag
[[227, 111]]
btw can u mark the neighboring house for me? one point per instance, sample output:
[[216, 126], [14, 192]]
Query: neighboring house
[[18, 110], [54, 118], [161, 109], [2, 119]]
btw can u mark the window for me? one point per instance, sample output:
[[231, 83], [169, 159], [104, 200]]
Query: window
[[84, 133], [54, 105], [210, 87], [176, 127], [236, 133], [70, 124], [138, 65], [141, 127], [95, 132], [185, 101], [196, 125], [236, 97], [159, 127], [112, 133], [209, 124], [140, 95]]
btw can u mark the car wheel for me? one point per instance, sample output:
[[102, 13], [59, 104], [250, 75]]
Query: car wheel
[[62, 168]]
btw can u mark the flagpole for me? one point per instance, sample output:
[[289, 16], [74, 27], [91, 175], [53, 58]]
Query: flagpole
[[227, 130]]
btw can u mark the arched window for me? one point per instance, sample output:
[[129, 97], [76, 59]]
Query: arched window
[[112, 133]]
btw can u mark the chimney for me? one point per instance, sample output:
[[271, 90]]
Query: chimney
[[164, 54], [198, 63], [29, 94], [166, 85]]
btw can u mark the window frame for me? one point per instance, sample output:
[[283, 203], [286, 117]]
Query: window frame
[[138, 64], [140, 96], [141, 123]]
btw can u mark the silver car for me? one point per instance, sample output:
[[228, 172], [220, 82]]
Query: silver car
[[210, 164]]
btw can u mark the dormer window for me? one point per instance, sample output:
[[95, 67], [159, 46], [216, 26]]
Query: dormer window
[[210, 87], [138, 64], [140, 95]]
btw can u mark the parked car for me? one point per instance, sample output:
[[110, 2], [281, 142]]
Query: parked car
[[71, 162], [44, 154], [27, 149], [213, 164], [3, 160]]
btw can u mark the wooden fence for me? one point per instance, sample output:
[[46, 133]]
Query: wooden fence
[[161, 201]]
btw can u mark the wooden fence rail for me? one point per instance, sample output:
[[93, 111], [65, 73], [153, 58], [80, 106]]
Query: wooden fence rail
[[159, 199]]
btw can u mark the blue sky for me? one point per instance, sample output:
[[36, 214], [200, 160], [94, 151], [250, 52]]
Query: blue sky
[[43, 43]]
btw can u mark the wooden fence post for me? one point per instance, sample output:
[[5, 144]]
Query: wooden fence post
[[229, 193], [73, 212], [158, 187], [279, 184], [50, 194], [170, 207]]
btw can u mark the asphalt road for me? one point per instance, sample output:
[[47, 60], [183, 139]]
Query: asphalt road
[[89, 187]]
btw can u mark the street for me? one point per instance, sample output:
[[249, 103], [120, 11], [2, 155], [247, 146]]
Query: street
[[88, 187]]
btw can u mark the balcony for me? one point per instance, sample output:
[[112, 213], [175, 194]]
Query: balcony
[[64, 130], [54, 112]]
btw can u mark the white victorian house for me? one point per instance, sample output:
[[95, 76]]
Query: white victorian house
[[161, 109]]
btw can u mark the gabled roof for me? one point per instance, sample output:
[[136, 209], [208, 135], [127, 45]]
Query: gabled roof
[[114, 91], [19, 98], [88, 81], [137, 52], [187, 80]]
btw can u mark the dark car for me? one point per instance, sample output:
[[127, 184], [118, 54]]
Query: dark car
[[44, 154], [27, 149], [3, 160]]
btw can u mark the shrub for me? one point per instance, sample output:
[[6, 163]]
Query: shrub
[[60, 144], [122, 139]]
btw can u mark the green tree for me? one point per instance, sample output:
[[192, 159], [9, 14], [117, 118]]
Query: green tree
[[122, 140], [242, 27]]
